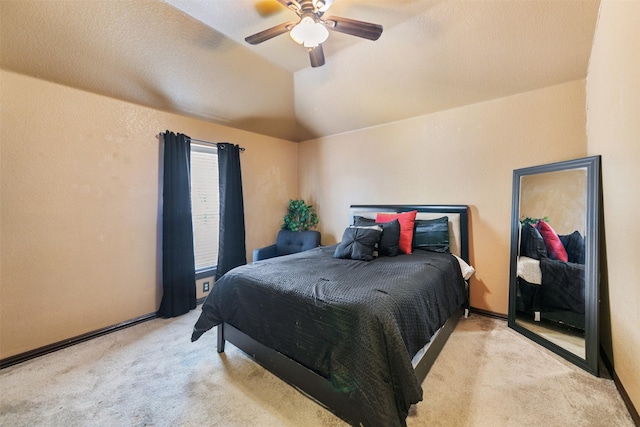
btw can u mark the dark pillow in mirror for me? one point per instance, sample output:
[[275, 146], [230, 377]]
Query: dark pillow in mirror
[[390, 234], [359, 243], [574, 245], [432, 234], [531, 243]]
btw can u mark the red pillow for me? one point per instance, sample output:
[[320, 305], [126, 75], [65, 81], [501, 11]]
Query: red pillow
[[555, 248], [407, 221]]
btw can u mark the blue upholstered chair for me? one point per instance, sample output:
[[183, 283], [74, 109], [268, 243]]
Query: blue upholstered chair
[[289, 242]]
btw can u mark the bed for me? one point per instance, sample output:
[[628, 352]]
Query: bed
[[551, 285], [356, 336]]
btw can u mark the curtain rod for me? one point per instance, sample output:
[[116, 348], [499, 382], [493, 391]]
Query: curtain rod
[[198, 140]]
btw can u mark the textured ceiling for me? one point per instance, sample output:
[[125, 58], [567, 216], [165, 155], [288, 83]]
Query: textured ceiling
[[189, 57]]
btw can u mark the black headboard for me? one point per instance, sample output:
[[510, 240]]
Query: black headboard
[[462, 211]]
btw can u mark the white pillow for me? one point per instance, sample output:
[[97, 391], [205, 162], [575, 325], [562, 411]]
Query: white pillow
[[529, 270], [466, 269]]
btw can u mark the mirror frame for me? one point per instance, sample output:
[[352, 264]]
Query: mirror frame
[[592, 240]]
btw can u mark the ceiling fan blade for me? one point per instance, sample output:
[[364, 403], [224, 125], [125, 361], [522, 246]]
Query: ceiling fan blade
[[269, 33], [326, 4], [316, 55], [291, 4], [352, 27], [322, 6]]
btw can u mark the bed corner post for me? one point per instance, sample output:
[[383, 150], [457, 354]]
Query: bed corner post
[[467, 303], [221, 340]]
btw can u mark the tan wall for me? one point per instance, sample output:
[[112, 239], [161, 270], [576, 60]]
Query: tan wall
[[560, 196], [79, 207], [613, 99], [461, 156]]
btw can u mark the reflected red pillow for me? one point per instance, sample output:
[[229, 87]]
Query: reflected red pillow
[[407, 221], [555, 248]]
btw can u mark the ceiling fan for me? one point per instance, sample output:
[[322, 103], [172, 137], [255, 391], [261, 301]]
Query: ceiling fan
[[311, 30]]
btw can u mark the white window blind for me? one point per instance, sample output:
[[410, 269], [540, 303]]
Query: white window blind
[[205, 205]]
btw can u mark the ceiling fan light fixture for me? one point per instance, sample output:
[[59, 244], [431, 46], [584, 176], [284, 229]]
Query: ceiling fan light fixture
[[311, 30], [309, 33]]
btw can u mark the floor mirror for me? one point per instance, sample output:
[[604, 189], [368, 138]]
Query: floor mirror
[[553, 286]]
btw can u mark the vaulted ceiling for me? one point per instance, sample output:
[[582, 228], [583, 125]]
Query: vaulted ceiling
[[190, 57]]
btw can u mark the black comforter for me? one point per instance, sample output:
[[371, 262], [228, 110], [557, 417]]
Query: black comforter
[[356, 323], [562, 286]]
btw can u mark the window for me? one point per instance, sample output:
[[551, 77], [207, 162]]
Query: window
[[205, 207]]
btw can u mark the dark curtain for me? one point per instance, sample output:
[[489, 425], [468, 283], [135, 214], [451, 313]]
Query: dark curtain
[[231, 249], [178, 265]]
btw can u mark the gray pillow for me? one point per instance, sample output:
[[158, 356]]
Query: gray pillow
[[531, 243], [390, 234], [359, 243]]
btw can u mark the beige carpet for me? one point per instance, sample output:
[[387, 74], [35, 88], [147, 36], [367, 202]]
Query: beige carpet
[[152, 375]]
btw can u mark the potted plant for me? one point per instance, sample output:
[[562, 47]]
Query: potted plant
[[295, 235], [300, 216]]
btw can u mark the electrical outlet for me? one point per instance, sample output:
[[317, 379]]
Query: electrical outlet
[[205, 287]]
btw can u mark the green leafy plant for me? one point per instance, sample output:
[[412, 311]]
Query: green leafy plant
[[300, 216], [532, 221]]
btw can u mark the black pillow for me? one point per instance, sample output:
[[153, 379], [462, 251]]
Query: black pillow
[[359, 243], [432, 234], [390, 234], [574, 245], [531, 243]]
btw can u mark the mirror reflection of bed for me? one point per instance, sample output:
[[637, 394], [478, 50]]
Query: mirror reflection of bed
[[553, 297], [550, 299]]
